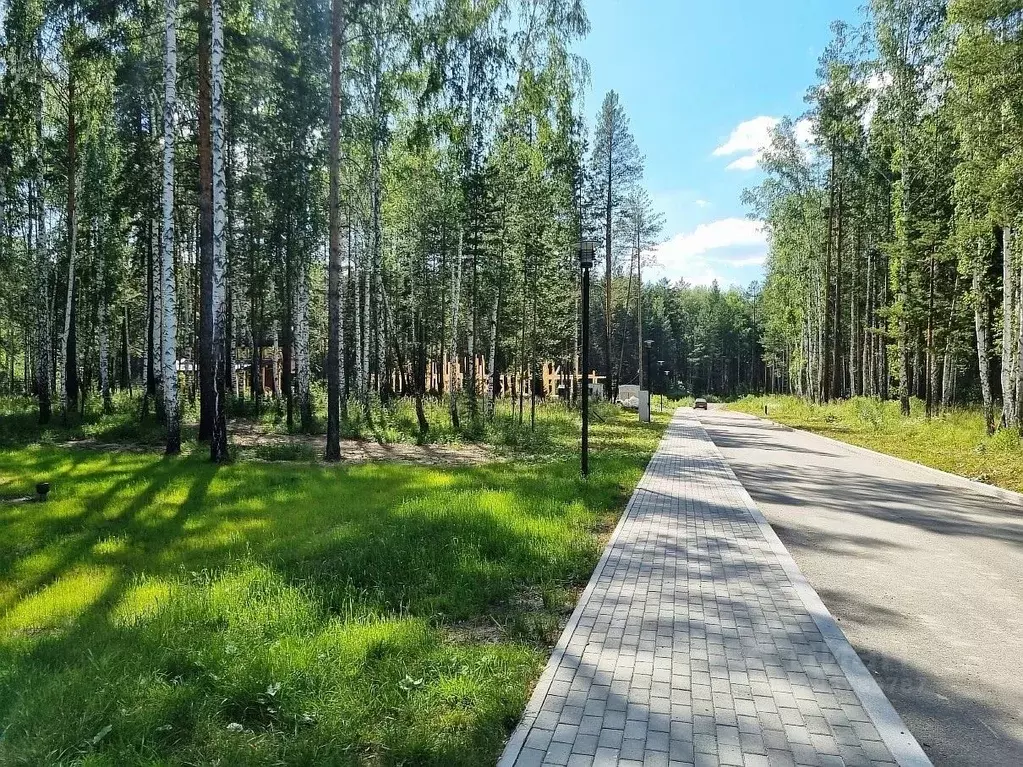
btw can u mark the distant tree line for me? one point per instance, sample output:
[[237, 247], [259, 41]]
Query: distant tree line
[[893, 268], [357, 189]]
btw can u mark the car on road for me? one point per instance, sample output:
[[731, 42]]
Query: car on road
[[700, 404]]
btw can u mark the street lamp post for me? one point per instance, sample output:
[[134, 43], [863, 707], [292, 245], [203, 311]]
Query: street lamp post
[[586, 250], [649, 344], [660, 367]]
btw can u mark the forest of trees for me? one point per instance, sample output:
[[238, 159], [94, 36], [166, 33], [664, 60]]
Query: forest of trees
[[893, 267], [360, 191]]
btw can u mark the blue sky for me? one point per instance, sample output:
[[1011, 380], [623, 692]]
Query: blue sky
[[701, 81]]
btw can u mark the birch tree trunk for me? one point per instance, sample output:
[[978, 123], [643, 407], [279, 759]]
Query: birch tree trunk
[[168, 324], [218, 436], [1009, 415], [1019, 345], [69, 368], [367, 335], [983, 351], [948, 370]]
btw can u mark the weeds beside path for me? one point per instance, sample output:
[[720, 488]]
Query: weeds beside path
[[955, 442]]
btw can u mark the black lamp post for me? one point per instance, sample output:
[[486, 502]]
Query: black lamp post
[[649, 344], [586, 250], [660, 367]]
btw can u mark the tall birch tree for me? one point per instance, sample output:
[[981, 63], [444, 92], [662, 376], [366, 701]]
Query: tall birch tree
[[168, 294]]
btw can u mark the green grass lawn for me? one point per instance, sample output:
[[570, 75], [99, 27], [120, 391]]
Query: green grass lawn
[[955, 442], [167, 611]]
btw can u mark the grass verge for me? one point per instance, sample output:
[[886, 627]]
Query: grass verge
[[169, 611], [955, 442]]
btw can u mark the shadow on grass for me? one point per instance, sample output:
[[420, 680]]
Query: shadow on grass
[[257, 613]]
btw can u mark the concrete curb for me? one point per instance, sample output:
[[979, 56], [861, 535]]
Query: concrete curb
[[901, 743], [518, 738], [994, 491]]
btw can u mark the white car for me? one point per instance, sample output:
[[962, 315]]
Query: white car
[[700, 404]]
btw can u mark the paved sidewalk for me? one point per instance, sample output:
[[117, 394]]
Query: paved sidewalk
[[697, 641]]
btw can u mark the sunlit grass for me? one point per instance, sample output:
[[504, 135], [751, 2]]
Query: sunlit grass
[[168, 611], [955, 442]]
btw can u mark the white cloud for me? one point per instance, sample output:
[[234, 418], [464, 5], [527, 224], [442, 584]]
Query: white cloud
[[749, 137], [701, 203], [749, 162], [713, 251], [874, 85], [805, 134], [752, 138]]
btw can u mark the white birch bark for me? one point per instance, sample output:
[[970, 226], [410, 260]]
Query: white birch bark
[[168, 316], [367, 329], [158, 314], [1019, 343], [218, 442], [980, 325], [1009, 416]]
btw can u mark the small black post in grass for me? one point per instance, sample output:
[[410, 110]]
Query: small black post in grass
[[42, 489], [586, 250], [649, 344], [660, 368]]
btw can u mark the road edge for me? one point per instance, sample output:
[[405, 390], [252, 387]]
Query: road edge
[[1010, 496], [902, 744]]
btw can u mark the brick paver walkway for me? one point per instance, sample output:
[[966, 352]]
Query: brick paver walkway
[[698, 642]]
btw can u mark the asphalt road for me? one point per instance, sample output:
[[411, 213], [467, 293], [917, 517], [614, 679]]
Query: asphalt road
[[923, 571]]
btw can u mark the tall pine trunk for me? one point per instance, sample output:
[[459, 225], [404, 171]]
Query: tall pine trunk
[[43, 315], [456, 275], [334, 326], [837, 389], [205, 156], [305, 412], [102, 329]]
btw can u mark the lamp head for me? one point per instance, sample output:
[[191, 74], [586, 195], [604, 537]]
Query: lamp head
[[587, 248]]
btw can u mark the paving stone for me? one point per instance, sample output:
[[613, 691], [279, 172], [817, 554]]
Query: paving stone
[[693, 646]]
